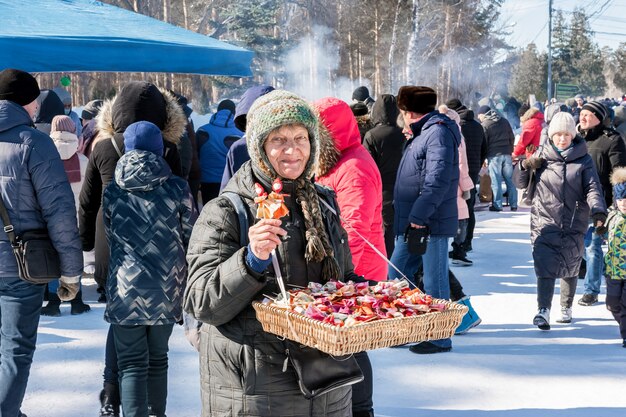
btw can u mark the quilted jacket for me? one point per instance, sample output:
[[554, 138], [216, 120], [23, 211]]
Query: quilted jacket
[[148, 217], [35, 190], [567, 192], [241, 366]]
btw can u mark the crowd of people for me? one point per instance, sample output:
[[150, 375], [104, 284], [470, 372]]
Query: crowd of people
[[133, 194]]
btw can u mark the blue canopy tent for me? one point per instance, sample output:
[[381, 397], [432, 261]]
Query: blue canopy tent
[[87, 35]]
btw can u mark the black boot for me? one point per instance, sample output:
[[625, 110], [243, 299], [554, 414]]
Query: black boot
[[110, 401], [53, 307], [78, 307]]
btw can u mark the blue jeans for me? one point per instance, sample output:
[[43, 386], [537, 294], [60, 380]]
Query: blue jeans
[[142, 359], [403, 260], [595, 262], [501, 168], [20, 306], [436, 282]]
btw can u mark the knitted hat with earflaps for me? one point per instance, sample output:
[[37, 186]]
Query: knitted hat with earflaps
[[269, 112]]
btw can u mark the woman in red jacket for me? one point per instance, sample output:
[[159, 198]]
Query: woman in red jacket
[[532, 124], [348, 168]]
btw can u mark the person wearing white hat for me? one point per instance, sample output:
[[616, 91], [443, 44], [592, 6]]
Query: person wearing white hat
[[567, 192]]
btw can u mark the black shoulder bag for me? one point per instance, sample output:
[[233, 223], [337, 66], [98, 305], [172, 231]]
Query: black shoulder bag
[[37, 260]]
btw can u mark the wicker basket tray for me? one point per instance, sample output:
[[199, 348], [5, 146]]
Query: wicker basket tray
[[363, 336]]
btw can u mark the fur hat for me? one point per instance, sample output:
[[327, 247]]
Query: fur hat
[[361, 93], [483, 110], [562, 122], [553, 109], [417, 99], [618, 179], [597, 108], [144, 136], [62, 124], [271, 111], [18, 86]]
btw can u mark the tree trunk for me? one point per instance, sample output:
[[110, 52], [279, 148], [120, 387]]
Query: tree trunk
[[392, 47], [412, 56]]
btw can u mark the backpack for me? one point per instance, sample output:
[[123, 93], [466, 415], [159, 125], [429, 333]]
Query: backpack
[[191, 324]]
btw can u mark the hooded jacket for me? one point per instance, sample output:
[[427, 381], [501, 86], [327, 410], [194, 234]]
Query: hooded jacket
[[608, 151], [385, 142], [238, 152], [50, 105], [532, 124], [356, 180], [242, 370], [428, 177], [211, 146], [475, 141], [147, 268], [499, 136], [35, 191], [567, 192], [136, 101]]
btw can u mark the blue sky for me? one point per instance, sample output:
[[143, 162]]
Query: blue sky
[[527, 20]]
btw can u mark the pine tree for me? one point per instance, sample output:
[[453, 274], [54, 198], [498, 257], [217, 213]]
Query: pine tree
[[529, 74], [620, 62]]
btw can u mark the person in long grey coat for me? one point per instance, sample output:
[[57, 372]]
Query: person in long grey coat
[[566, 193], [244, 370]]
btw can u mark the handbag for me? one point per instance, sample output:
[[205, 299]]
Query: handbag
[[37, 260], [318, 372], [529, 191]]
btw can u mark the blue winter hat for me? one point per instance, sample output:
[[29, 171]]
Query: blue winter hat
[[144, 136], [618, 179]]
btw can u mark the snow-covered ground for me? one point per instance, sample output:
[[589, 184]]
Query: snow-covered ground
[[504, 368]]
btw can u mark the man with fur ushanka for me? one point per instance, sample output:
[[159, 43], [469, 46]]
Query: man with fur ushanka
[[136, 101], [425, 194], [608, 151]]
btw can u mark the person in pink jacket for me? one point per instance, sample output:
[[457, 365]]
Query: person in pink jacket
[[354, 176], [348, 168], [532, 124], [466, 184]]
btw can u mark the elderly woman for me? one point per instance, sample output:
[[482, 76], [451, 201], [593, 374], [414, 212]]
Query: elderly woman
[[242, 367]]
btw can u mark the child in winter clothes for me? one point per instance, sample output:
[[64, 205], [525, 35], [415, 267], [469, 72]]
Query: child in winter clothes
[[148, 218], [566, 193], [63, 134], [615, 258]]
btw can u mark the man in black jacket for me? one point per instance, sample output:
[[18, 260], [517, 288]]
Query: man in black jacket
[[608, 151], [476, 150], [499, 138], [385, 142]]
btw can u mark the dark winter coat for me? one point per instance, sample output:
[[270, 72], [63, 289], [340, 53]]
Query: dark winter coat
[[241, 365], [137, 101], [212, 148], [499, 136], [50, 105], [567, 192], [148, 216], [428, 177], [385, 142], [238, 151], [35, 190], [608, 151], [475, 142]]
